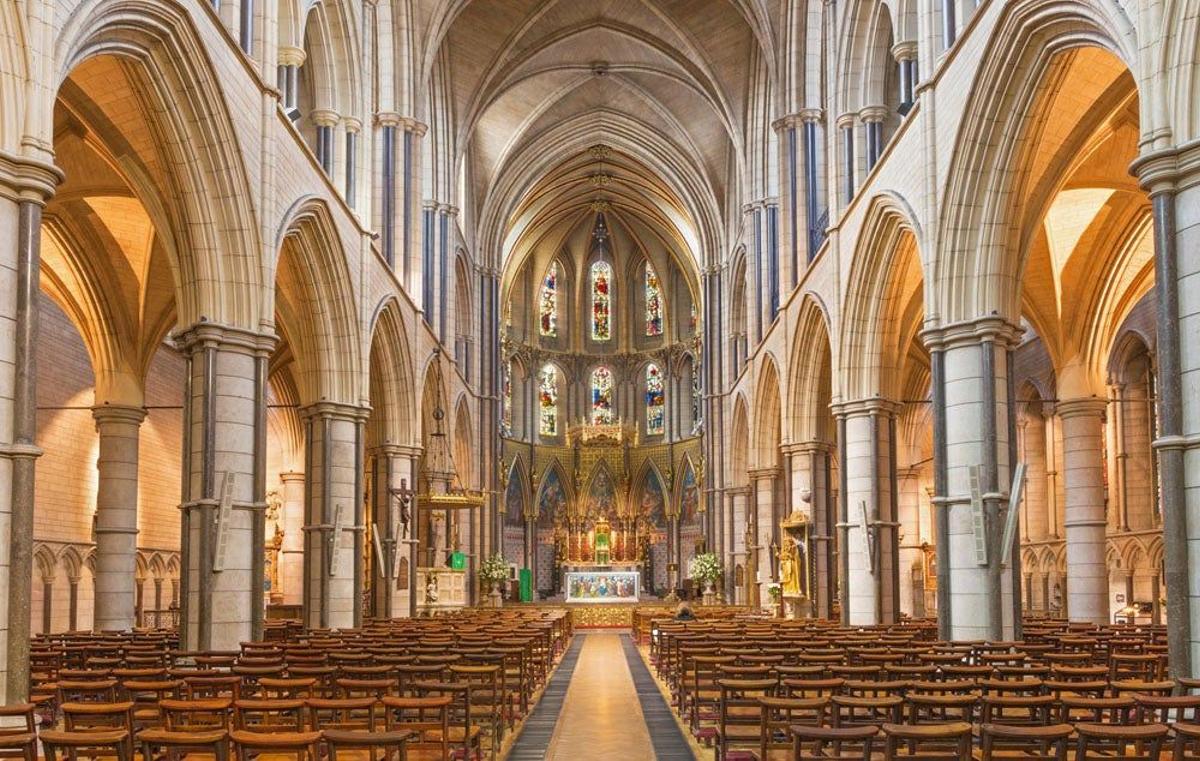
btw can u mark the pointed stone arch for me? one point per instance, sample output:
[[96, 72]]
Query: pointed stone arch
[[639, 490], [517, 488], [554, 473], [810, 389], [317, 305], [464, 464], [739, 463], [194, 195], [980, 240], [390, 381], [687, 506], [768, 419], [601, 484], [884, 304]]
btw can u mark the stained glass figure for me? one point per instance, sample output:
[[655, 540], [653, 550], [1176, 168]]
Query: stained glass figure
[[548, 400], [655, 406], [548, 304], [654, 305], [601, 301], [602, 396]]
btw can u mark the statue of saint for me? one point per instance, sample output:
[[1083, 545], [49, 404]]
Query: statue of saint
[[789, 570]]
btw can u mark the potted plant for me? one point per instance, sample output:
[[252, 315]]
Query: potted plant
[[775, 592], [493, 572], [704, 570]]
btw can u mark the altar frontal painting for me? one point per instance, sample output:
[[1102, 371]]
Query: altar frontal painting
[[602, 586]]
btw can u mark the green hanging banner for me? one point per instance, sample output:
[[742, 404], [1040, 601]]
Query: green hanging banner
[[526, 585], [458, 561]]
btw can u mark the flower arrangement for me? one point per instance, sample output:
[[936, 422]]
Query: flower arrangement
[[704, 568], [494, 569], [774, 591]]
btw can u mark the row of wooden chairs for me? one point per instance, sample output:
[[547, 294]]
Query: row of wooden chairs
[[448, 688]]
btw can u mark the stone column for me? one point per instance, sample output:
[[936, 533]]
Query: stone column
[[811, 493], [333, 518], [290, 61], [905, 54], [814, 178], [872, 118], [845, 126], [871, 578], [291, 553], [1083, 477], [24, 187], [1171, 178], [971, 410], [765, 528], [398, 211], [909, 483], [325, 121], [116, 526], [740, 527], [224, 443], [392, 474]]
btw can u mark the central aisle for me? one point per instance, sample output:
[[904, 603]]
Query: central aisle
[[601, 717]]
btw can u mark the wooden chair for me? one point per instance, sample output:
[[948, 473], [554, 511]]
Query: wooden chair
[[833, 743], [1108, 742], [927, 742], [96, 718], [18, 741], [249, 744], [428, 719], [1044, 743], [779, 714], [740, 715]]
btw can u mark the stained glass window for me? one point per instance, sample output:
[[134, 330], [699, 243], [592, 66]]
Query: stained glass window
[[548, 400], [654, 305], [548, 304], [601, 301], [506, 399], [655, 407], [602, 396]]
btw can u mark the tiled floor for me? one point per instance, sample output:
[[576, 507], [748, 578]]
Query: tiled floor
[[601, 717]]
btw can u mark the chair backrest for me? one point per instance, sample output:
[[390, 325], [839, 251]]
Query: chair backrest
[[259, 715], [1042, 743], [195, 715]]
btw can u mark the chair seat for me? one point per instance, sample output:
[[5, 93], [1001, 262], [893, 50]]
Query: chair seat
[[843, 734], [1048, 732], [274, 739], [365, 739], [168, 737], [927, 731], [17, 739], [83, 739], [1122, 732]]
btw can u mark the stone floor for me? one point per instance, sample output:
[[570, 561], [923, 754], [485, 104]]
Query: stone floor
[[604, 713], [601, 716]]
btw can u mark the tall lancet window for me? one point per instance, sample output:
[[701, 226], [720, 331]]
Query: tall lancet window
[[601, 301], [654, 305], [602, 396], [655, 401], [506, 399], [548, 303], [548, 400]]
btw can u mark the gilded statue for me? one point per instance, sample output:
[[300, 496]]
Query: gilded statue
[[789, 568]]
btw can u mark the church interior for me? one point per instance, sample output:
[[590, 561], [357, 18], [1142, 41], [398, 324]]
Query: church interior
[[632, 379]]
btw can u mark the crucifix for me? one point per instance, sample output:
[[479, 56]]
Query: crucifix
[[404, 497]]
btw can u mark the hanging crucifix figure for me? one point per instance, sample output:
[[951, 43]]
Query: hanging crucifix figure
[[403, 496]]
